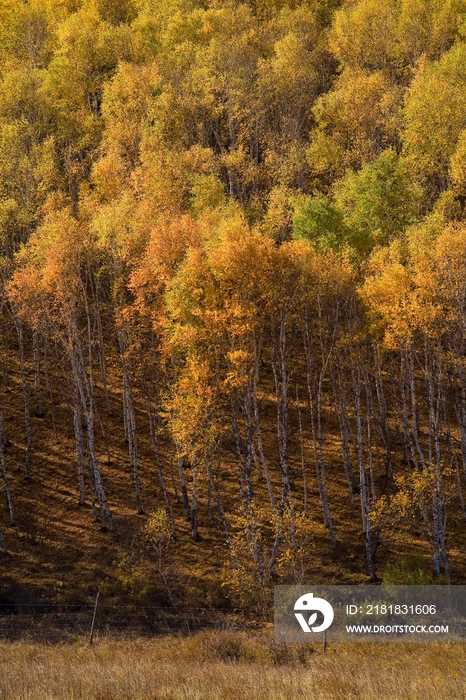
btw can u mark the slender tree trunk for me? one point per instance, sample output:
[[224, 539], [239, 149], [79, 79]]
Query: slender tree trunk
[[221, 514], [434, 383], [6, 481], [236, 437], [155, 447], [85, 387], [36, 349], [78, 434], [101, 344], [301, 443], [343, 422], [280, 375], [259, 433], [132, 437], [49, 389], [384, 424], [249, 446], [3, 542], [363, 491], [314, 388], [27, 412], [184, 491], [92, 493], [194, 528]]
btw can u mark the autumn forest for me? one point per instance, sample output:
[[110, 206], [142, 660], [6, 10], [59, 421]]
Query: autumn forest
[[233, 238]]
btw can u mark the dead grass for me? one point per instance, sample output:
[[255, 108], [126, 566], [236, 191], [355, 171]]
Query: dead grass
[[230, 666]]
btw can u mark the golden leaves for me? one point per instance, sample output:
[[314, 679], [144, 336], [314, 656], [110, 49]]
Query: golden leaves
[[418, 288]]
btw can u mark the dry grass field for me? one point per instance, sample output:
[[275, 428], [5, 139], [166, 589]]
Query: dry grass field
[[230, 665]]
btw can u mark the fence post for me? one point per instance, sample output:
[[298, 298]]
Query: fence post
[[93, 619]]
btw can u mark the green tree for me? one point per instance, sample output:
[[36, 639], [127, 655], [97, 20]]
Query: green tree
[[319, 220], [379, 202]]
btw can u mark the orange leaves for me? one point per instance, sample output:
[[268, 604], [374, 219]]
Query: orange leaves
[[47, 279], [24, 294], [388, 291], [193, 410], [227, 301], [442, 281], [166, 249]]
